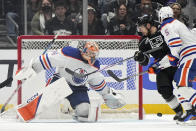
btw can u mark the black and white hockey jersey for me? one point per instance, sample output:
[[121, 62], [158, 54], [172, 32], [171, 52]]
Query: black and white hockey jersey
[[154, 41]]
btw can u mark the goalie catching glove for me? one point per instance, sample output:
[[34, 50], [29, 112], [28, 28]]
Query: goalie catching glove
[[114, 100]]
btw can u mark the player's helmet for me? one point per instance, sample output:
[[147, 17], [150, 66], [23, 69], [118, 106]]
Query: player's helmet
[[165, 12], [144, 20], [90, 52]]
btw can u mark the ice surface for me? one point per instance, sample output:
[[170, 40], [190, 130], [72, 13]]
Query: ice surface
[[150, 123]]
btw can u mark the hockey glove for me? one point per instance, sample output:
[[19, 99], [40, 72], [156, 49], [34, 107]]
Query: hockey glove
[[114, 100], [141, 57], [138, 56], [173, 60], [154, 67]]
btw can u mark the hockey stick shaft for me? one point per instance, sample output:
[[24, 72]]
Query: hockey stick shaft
[[106, 67], [141, 73], [84, 75], [9, 80], [115, 63], [50, 44], [126, 78], [10, 98]]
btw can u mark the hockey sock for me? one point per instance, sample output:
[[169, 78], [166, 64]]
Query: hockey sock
[[187, 97], [174, 104]]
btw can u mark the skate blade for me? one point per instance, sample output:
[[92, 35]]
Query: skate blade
[[187, 123]]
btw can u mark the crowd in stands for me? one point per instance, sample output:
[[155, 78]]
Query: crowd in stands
[[105, 17]]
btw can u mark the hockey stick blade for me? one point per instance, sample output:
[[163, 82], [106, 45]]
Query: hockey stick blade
[[6, 82], [3, 108], [113, 75], [126, 78]]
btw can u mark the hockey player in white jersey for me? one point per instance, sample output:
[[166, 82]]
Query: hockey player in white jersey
[[80, 61], [182, 44]]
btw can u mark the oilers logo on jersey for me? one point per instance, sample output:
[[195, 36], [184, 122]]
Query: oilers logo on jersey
[[80, 80]]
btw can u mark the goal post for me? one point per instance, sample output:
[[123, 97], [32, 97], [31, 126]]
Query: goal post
[[112, 49]]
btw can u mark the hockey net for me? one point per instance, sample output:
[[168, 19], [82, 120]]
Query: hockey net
[[112, 49]]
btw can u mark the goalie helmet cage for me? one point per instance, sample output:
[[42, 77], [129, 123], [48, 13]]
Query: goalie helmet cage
[[112, 49]]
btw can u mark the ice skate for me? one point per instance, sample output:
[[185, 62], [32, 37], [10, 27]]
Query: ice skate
[[188, 118]]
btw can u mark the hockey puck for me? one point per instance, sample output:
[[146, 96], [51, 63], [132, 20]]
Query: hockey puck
[[159, 114]]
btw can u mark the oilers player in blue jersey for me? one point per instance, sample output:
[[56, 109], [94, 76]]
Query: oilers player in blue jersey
[[80, 61]]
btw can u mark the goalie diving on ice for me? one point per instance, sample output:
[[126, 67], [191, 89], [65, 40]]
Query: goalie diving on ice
[[82, 61]]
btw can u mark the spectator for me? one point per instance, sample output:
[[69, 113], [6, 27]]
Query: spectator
[[103, 6], [113, 7], [74, 11], [44, 14], [60, 24], [32, 8], [13, 15], [146, 7], [121, 24], [94, 3], [176, 7], [183, 3], [162, 2], [190, 10], [95, 25]]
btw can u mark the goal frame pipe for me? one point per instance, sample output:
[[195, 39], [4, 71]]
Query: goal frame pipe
[[91, 37]]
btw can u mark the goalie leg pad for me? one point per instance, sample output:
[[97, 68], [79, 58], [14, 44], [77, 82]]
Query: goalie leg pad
[[86, 112], [81, 112], [82, 109], [39, 102], [28, 111]]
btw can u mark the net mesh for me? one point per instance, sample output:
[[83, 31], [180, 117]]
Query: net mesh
[[106, 44]]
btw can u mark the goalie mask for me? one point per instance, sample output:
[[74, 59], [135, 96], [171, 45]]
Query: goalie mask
[[90, 52]]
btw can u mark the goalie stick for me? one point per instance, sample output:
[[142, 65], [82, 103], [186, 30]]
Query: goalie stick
[[8, 100], [106, 67], [10, 79], [126, 78]]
